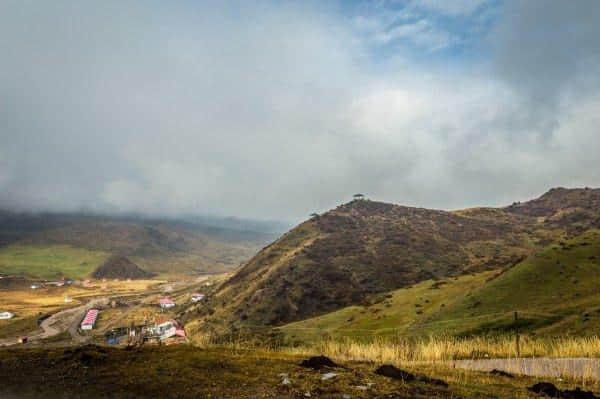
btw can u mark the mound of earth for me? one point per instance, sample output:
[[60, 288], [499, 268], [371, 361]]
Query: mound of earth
[[120, 267]]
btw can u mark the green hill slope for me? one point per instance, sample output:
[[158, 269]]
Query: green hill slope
[[554, 292]]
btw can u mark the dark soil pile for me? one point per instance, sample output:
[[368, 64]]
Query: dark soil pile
[[318, 362], [549, 389], [120, 267], [388, 370]]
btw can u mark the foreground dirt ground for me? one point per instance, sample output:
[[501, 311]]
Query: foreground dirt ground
[[190, 372]]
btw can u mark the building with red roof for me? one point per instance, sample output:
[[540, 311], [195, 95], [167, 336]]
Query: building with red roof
[[89, 321], [166, 303]]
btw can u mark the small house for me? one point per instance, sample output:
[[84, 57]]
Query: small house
[[166, 303], [6, 315], [167, 328], [197, 297]]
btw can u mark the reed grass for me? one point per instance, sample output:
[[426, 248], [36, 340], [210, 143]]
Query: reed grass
[[444, 349], [572, 358], [428, 349]]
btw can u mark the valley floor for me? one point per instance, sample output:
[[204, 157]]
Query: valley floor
[[192, 372]]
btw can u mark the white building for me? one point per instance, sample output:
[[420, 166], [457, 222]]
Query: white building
[[166, 303], [6, 315], [197, 297]]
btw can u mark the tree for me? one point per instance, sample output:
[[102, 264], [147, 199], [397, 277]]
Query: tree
[[359, 196], [314, 215]]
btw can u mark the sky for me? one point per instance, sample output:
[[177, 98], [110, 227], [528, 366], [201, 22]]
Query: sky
[[275, 109]]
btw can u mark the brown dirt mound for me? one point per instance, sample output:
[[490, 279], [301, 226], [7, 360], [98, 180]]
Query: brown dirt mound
[[120, 267]]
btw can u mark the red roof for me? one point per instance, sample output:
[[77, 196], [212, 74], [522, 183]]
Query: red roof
[[166, 301], [90, 317], [163, 319]]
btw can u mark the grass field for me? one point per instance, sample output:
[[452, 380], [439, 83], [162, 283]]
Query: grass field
[[49, 261]]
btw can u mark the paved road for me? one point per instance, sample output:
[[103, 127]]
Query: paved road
[[59, 322]]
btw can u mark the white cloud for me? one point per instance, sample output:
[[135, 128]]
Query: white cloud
[[454, 8]]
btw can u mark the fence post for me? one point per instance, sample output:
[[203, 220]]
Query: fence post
[[517, 344]]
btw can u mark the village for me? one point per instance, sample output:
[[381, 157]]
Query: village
[[106, 311]]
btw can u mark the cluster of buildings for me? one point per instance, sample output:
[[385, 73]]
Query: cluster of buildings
[[164, 331]]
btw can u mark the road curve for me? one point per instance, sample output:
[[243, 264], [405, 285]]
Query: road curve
[[59, 322]]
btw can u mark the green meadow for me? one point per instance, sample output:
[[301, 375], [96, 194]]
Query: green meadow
[[49, 261]]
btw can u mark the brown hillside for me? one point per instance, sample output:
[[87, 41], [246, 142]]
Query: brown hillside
[[574, 210], [363, 248], [122, 268]]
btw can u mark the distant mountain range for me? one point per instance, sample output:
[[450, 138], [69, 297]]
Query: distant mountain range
[[164, 246], [353, 253]]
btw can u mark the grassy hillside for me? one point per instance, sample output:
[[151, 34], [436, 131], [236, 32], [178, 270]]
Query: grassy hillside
[[49, 262], [399, 312], [555, 292], [359, 250], [352, 254]]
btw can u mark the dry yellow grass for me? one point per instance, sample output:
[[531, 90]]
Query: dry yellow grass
[[435, 349], [575, 359], [443, 349]]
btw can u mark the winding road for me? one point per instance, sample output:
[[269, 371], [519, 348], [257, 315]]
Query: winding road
[[59, 322]]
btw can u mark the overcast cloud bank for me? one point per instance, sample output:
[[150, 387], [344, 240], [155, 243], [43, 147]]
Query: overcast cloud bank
[[280, 109]]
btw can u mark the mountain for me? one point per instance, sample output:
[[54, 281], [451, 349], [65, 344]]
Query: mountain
[[29, 242], [349, 255], [120, 267]]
